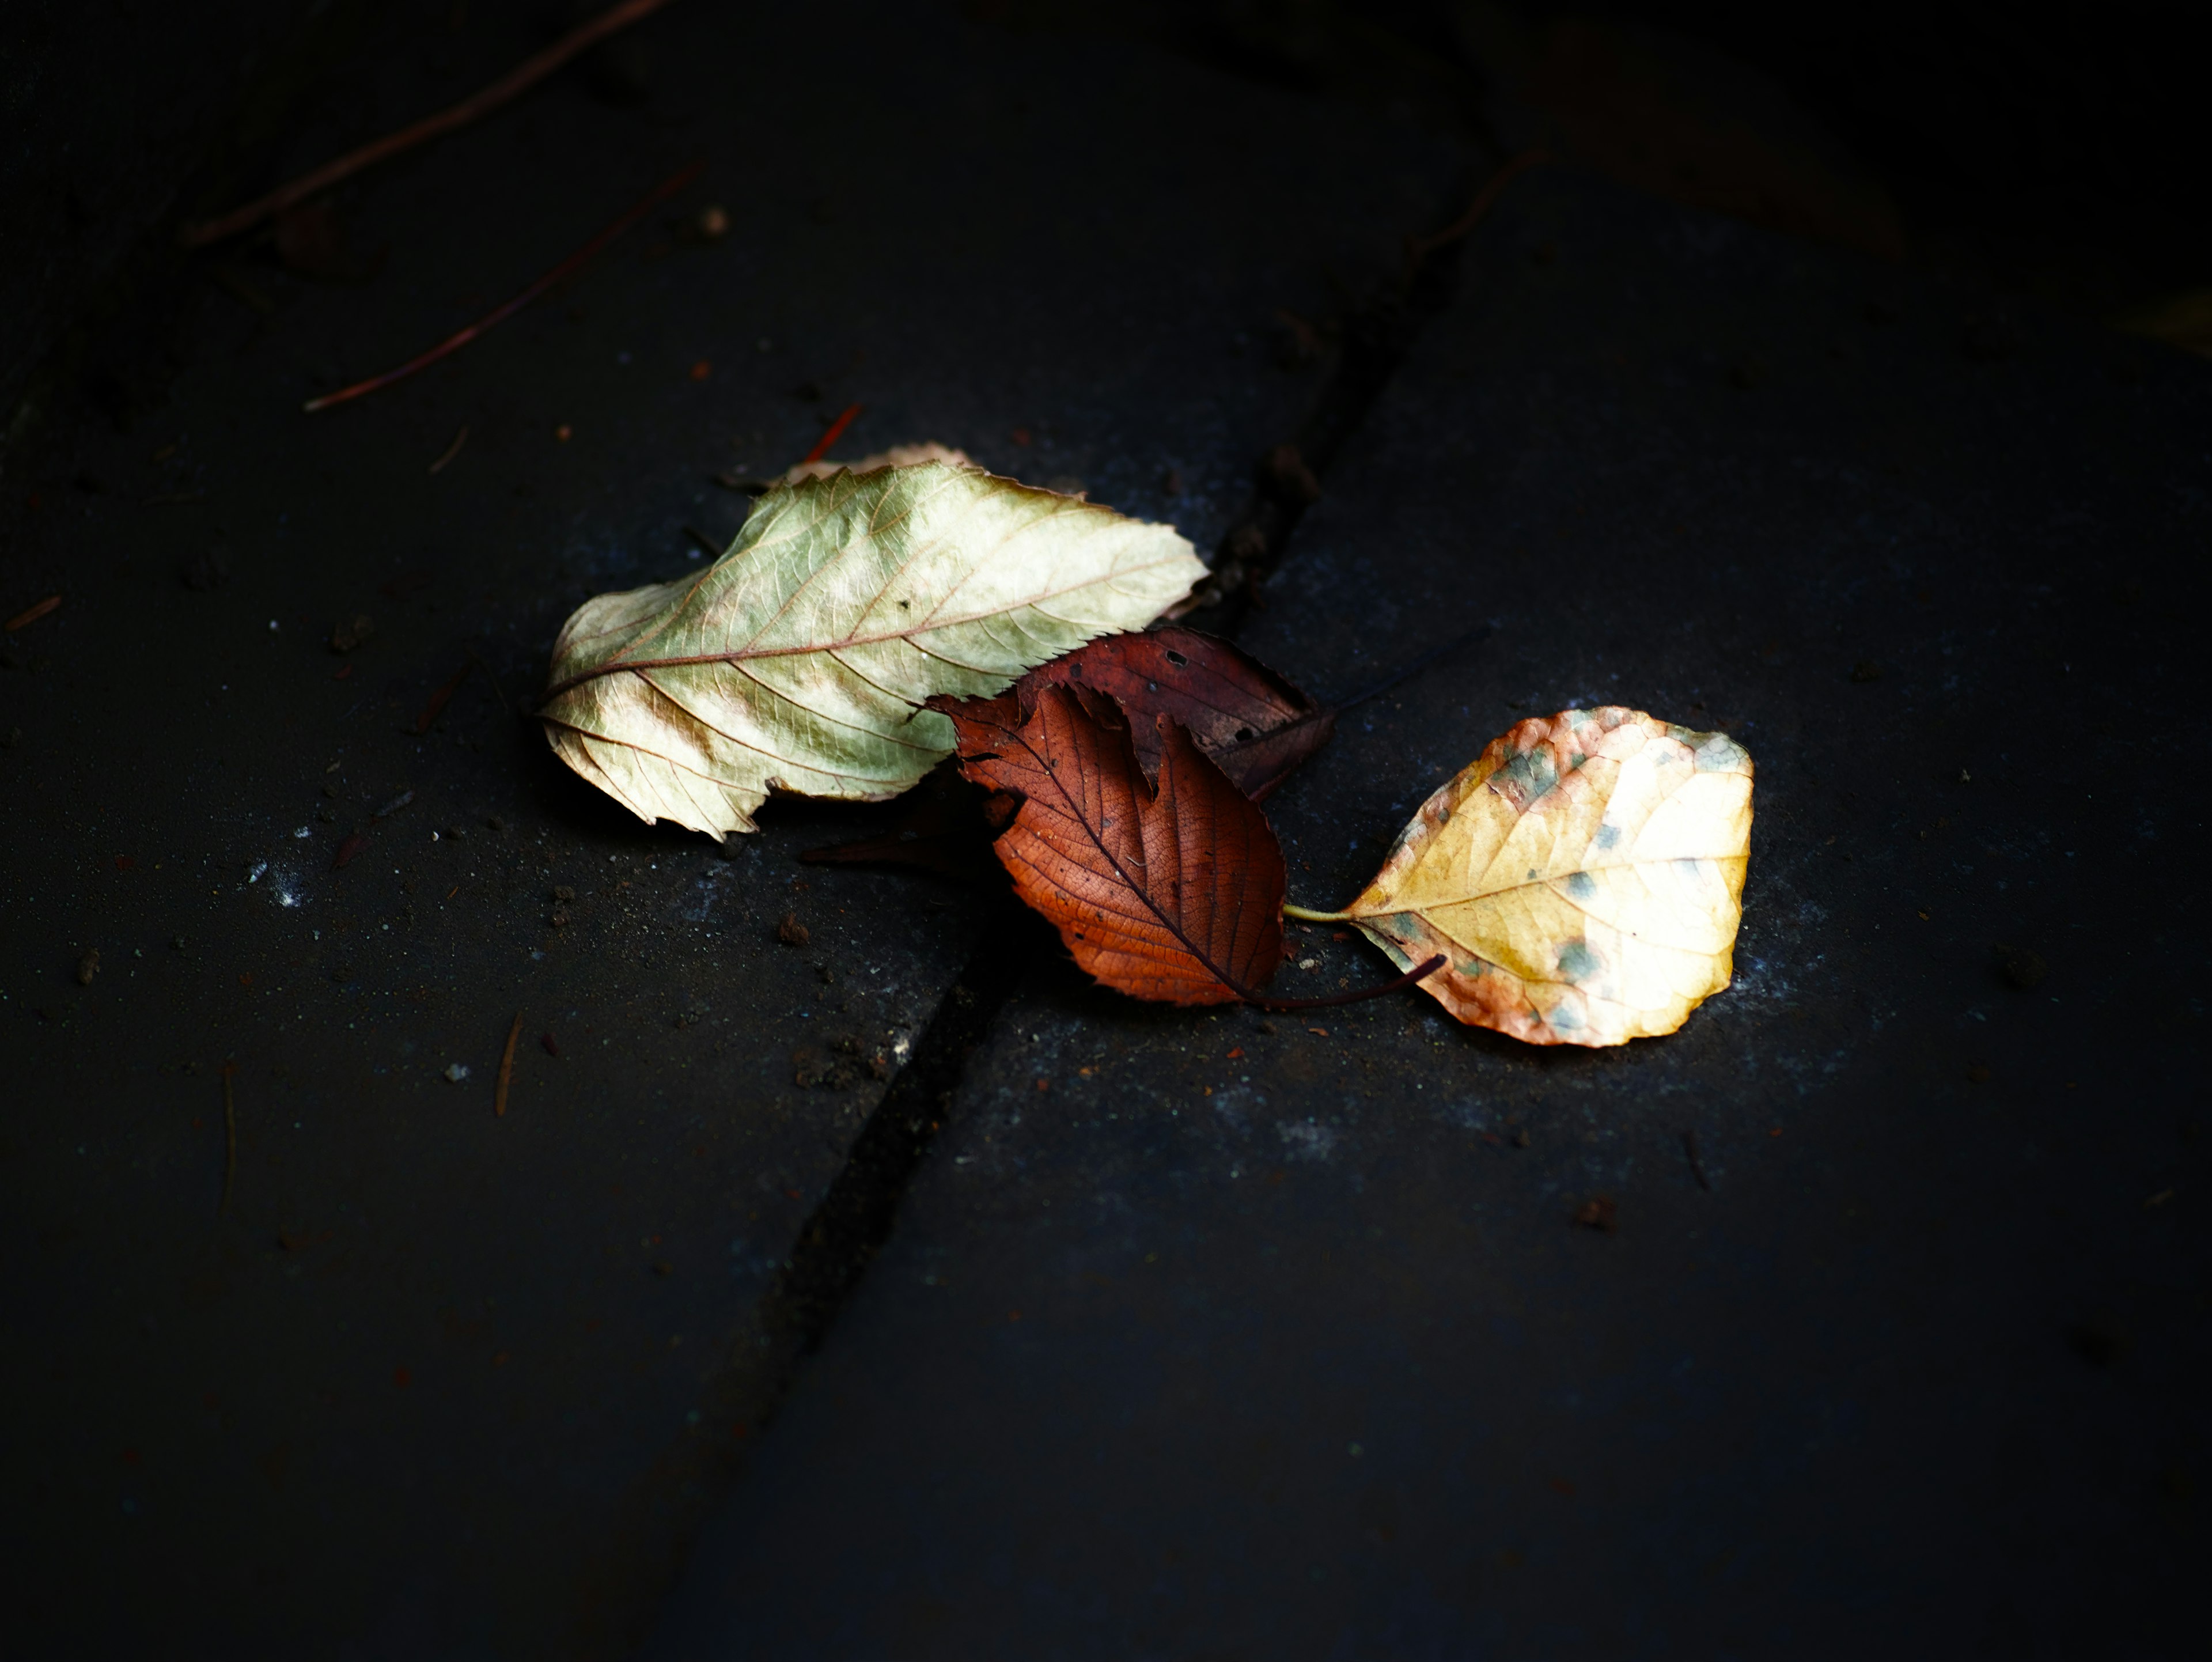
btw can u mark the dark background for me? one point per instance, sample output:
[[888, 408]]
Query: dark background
[[1834, 386]]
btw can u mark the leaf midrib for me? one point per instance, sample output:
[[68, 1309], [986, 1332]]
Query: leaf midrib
[[741, 654]]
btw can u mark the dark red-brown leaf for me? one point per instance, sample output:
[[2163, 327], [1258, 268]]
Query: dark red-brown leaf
[[1172, 893], [1252, 721]]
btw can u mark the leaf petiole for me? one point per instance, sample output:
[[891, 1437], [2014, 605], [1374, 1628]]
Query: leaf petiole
[[1357, 995], [1289, 910]]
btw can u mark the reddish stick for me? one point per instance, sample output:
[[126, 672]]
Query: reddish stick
[[519, 80], [1488, 194], [453, 342], [34, 613], [440, 698], [506, 1068], [837, 431]]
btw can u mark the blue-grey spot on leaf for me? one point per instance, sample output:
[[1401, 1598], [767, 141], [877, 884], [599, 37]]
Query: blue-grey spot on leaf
[[1577, 962], [1581, 886], [1608, 836], [1531, 773]]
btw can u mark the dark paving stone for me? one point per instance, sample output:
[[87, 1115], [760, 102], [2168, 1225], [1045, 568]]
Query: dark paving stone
[[1181, 1351], [410, 1391]]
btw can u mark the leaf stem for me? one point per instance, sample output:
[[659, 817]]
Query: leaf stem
[[1489, 193], [1289, 910], [1356, 995]]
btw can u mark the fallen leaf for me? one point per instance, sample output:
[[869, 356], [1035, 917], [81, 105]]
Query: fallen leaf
[[799, 661], [1583, 879], [1171, 893], [1248, 719]]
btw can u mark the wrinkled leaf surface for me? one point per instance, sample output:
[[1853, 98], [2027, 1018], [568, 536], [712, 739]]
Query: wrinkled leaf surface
[[1583, 877], [1172, 893], [799, 661]]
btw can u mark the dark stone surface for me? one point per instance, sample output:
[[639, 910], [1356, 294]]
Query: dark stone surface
[[1178, 1351], [425, 1387], [107, 115]]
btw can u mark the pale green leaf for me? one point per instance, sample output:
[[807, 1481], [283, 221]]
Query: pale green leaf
[[799, 661]]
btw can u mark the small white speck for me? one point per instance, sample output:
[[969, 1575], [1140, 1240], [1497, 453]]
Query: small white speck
[[457, 1071], [304, 831], [272, 625]]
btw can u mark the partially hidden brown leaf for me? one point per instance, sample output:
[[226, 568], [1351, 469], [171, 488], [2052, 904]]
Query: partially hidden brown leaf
[[1170, 892], [1583, 879], [1250, 720]]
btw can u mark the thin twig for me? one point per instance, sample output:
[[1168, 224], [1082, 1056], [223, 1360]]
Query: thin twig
[[452, 450], [515, 82], [441, 697], [229, 1135], [836, 431], [1421, 247], [34, 613], [453, 342], [506, 1067]]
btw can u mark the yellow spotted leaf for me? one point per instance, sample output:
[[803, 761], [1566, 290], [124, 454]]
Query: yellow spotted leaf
[[800, 660], [1583, 879]]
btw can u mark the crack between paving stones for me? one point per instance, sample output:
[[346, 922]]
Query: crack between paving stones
[[644, 1549]]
